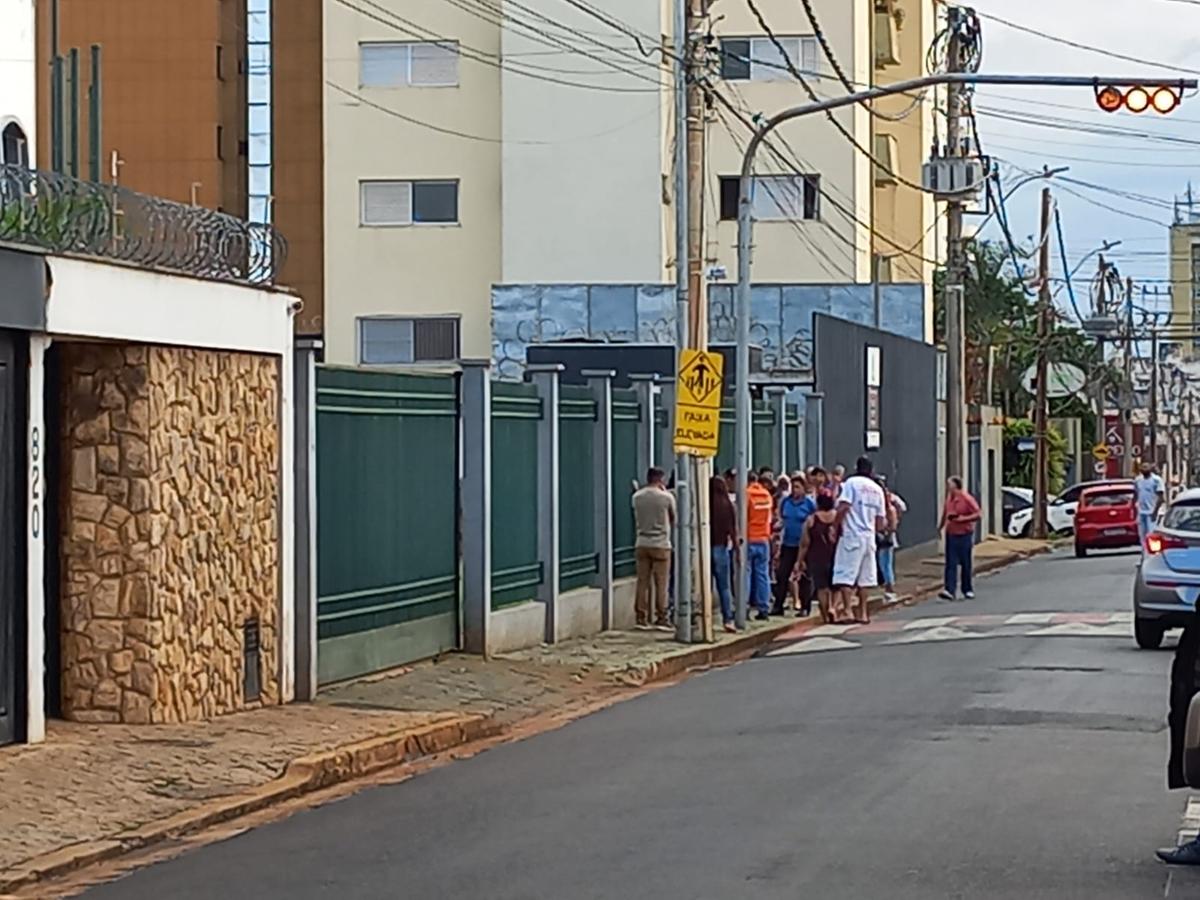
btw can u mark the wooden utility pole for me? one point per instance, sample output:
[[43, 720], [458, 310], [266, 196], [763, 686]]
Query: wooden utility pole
[[1127, 385], [955, 265], [1101, 310], [698, 310], [1041, 412]]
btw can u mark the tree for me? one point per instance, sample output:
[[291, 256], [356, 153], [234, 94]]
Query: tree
[[1018, 463], [1002, 341]]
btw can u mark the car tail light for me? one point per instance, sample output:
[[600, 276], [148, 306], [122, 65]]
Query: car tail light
[[1157, 542]]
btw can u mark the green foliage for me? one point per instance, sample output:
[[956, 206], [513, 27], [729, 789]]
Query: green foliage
[[1018, 465], [56, 220], [1001, 327]]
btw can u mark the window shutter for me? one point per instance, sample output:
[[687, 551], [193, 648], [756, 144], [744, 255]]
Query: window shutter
[[385, 342], [383, 65], [435, 64], [386, 203], [435, 339], [735, 60]]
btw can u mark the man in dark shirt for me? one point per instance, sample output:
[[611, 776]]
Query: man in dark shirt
[[794, 511]]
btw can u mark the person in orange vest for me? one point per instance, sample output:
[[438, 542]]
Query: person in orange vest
[[759, 514]]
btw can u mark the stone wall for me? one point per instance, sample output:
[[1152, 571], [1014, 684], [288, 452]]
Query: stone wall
[[169, 510]]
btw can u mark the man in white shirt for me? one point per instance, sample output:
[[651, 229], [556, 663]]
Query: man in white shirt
[[1149, 492], [862, 512]]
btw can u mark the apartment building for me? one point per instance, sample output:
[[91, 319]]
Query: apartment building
[[1184, 245], [213, 103], [17, 112], [471, 144]]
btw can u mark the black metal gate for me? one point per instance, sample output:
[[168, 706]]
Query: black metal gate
[[11, 599]]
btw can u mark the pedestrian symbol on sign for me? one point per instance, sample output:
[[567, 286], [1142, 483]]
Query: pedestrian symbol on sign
[[699, 380]]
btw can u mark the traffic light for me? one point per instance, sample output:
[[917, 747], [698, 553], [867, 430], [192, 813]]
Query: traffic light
[[1160, 98]]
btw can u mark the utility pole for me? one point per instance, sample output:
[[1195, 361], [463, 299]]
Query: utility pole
[[1101, 309], [1040, 412], [1151, 453], [701, 624], [1127, 384], [955, 267], [683, 467]]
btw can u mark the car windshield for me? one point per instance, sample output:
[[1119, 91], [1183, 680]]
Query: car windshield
[[1109, 498], [1183, 517]]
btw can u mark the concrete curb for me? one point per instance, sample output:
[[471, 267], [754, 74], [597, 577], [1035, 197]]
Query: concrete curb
[[302, 776], [320, 770]]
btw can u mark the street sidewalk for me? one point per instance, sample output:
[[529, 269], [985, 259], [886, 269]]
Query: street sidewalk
[[93, 792]]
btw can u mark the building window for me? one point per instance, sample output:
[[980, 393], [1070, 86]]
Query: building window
[[1196, 271], [220, 63], [758, 59], [408, 203], [776, 197], [220, 142], [396, 341], [14, 147], [409, 64]]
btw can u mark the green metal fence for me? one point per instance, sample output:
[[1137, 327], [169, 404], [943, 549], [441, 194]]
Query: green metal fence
[[627, 417], [516, 569], [578, 557], [762, 434], [387, 507], [792, 437]]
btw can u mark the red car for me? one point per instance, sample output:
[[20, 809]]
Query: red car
[[1106, 518]]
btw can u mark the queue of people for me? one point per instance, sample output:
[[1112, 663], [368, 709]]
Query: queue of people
[[814, 537]]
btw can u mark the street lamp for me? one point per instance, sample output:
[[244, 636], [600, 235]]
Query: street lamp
[[746, 227]]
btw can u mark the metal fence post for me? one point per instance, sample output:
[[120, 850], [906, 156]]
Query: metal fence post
[[546, 377], [646, 386], [665, 437], [777, 401], [304, 374], [600, 381], [814, 432], [475, 502]]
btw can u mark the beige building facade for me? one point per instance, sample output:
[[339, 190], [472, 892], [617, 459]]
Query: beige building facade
[[465, 150]]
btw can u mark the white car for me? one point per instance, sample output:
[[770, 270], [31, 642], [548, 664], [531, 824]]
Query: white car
[[1060, 512]]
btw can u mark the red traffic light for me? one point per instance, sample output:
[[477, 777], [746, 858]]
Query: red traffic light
[[1110, 99], [1161, 99]]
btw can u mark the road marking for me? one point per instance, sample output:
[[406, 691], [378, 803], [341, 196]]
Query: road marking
[[941, 633], [1030, 619], [929, 623], [830, 630], [815, 645], [1082, 629]]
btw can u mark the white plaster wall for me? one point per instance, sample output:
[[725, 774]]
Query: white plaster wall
[[836, 247], [17, 67], [583, 169], [107, 300], [420, 269]]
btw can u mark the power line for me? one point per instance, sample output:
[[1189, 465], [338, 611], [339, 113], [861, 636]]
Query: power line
[[1078, 45], [762, 22], [440, 129], [411, 28]]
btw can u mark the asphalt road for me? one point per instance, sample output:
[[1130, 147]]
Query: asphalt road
[[1008, 766]]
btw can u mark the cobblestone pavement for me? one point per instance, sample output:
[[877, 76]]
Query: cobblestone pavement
[[89, 782], [93, 781]]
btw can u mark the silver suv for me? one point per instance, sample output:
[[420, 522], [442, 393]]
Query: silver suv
[[1167, 584]]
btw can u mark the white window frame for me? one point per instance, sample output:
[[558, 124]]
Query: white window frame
[[408, 47], [361, 321], [412, 221], [771, 73]]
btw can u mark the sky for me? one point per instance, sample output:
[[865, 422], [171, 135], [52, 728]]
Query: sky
[[1161, 31]]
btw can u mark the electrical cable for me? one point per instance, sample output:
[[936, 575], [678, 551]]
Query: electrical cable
[[1062, 252], [408, 27], [762, 22]]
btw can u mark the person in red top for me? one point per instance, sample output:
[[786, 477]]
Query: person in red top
[[958, 520], [759, 514]]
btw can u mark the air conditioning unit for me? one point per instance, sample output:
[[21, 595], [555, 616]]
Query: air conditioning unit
[[888, 21], [954, 177]]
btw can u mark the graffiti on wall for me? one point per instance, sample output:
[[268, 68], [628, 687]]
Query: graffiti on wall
[[780, 315]]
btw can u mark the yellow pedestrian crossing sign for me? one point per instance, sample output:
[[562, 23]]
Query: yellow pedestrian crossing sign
[[698, 402]]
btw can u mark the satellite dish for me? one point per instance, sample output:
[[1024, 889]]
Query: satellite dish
[[1062, 379]]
